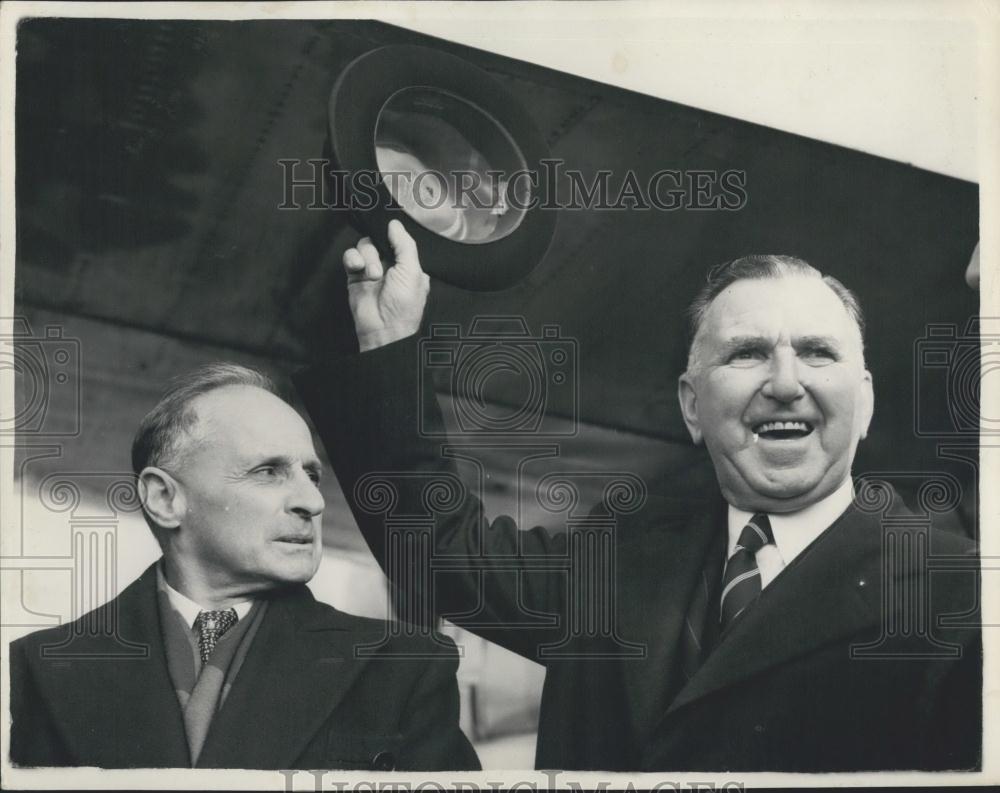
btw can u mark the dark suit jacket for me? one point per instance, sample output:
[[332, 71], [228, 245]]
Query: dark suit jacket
[[301, 699], [782, 690]]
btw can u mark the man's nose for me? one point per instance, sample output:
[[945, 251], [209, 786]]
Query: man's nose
[[783, 383], [306, 500]]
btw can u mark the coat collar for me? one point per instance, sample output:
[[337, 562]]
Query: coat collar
[[301, 664], [108, 687], [830, 591], [115, 700], [661, 565]]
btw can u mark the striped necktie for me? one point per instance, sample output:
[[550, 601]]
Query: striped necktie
[[741, 581], [211, 625]]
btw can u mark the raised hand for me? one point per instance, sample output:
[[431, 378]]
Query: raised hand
[[387, 304]]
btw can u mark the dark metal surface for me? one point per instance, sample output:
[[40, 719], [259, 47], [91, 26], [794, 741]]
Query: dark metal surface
[[148, 188]]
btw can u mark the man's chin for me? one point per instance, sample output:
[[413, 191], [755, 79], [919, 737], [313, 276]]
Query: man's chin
[[288, 576], [303, 576], [776, 497]]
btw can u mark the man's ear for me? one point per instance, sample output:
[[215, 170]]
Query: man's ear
[[689, 406], [162, 497], [867, 407]]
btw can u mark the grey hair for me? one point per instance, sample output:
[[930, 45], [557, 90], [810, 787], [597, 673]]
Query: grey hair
[[758, 267], [160, 435]]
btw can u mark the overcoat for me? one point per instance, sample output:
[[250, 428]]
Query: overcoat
[[318, 689], [860, 655]]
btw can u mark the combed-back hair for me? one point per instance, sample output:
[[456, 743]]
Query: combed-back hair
[[758, 267], [160, 435]]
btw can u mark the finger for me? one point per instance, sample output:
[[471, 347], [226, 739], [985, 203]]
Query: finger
[[404, 248], [373, 264], [354, 263]]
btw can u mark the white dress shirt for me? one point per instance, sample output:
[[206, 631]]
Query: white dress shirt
[[793, 531], [187, 608]]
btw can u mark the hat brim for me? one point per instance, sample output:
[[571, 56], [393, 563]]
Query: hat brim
[[356, 101]]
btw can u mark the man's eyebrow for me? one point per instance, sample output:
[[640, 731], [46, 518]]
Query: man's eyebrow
[[817, 341], [311, 464], [745, 342], [276, 460], [754, 343]]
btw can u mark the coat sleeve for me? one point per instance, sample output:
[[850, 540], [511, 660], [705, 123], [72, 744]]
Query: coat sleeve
[[369, 411], [34, 740], [433, 740]]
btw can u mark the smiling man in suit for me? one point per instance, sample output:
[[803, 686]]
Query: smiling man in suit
[[781, 628], [237, 665], [777, 390]]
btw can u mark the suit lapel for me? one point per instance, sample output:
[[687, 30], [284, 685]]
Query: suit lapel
[[298, 669], [111, 692], [661, 570], [816, 600]]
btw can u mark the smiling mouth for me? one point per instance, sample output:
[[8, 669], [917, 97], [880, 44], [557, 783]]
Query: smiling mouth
[[782, 430]]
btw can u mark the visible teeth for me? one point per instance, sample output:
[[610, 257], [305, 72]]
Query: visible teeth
[[773, 426]]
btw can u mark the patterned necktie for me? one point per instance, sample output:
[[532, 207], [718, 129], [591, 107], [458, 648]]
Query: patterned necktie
[[211, 625], [741, 581]]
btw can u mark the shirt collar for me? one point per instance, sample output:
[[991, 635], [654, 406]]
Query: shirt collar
[[794, 531], [186, 607]]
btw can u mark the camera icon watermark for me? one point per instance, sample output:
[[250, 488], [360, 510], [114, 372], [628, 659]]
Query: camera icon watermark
[[949, 367], [46, 372], [534, 373]]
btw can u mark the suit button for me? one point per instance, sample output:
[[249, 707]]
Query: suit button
[[384, 761]]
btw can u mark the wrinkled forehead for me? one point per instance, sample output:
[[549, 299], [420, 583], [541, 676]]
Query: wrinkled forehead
[[248, 420], [792, 306]]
